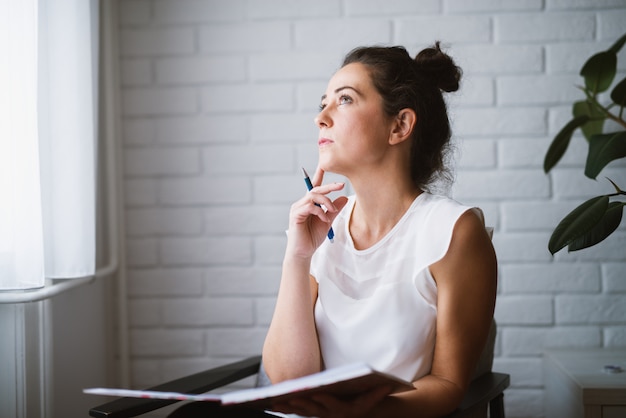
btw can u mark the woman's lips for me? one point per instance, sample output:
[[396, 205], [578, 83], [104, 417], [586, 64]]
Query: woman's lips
[[323, 141]]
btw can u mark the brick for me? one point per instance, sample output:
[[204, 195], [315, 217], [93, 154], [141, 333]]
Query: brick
[[590, 309], [245, 37], [611, 24], [524, 310], [525, 90], [247, 220], [451, 29], [476, 91], [391, 7], [180, 367], [140, 192], [239, 281], [134, 12], [236, 342], [170, 342], [161, 161], [582, 4], [283, 127], [141, 252], [138, 131], [197, 11], [144, 313], [570, 57], [525, 372], [523, 153], [546, 27], [214, 129], [522, 247], [500, 121], [205, 251], [532, 341], [502, 184], [196, 70], [308, 95], [164, 222], [264, 310], [537, 215], [524, 402], [159, 101], [250, 159], [614, 277], [550, 278], [463, 6], [340, 34], [156, 42], [136, 72], [284, 189], [270, 250], [498, 59], [282, 9], [192, 191], [615, 337], [246, 98], [145, 373], [477, 153], [293, 66], [170, 282], [207, 312], [558, 116]]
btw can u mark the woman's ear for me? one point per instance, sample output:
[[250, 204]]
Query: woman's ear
[[403, 126]]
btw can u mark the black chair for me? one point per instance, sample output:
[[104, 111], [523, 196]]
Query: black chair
[[486, 391]]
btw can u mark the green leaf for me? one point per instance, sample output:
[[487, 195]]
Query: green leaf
[[618, 95], [577, 223], [599, 71], [603, 149], [561, 142], [609, 223], [596, 118], [618, 44]]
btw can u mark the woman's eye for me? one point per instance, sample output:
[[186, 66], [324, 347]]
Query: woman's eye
[[345, 99], [321, 106]]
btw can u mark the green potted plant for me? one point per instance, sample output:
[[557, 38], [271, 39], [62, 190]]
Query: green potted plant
[[597, 218]]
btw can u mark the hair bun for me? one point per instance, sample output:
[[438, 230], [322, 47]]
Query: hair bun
[[439, 67]]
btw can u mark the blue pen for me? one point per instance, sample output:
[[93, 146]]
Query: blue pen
[[309, 185]]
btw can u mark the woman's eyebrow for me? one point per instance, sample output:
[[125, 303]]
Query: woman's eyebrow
[[337, 90]]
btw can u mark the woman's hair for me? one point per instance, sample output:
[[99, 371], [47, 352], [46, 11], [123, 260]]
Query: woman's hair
[[404, 82]]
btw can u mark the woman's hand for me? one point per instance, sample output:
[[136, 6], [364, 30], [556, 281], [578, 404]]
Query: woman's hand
[[311, 217], [327, 406]]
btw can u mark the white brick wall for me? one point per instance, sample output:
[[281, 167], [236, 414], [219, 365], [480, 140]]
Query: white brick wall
[[218, 100]]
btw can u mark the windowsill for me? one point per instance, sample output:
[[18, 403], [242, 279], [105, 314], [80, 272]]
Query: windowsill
[[54, 287]]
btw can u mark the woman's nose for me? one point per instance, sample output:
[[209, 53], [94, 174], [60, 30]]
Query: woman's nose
[[322, 120]]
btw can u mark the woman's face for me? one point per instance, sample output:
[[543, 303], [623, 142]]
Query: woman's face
[[353, 128]]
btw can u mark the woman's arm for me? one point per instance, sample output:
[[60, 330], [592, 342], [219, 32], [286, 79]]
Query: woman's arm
[[291, 346], [466, 287]]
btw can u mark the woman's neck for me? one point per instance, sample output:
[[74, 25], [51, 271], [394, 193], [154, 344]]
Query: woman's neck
[[378, 207]]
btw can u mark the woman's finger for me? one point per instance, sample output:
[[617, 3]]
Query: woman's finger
[[318, 177]]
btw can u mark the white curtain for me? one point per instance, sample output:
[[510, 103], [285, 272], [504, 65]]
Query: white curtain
[[48, 116]]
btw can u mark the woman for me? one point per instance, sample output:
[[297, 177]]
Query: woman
[[409, 283]]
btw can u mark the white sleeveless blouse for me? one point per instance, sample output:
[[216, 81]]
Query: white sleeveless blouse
[[379, 305]]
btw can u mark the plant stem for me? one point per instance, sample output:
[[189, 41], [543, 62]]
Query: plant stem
[[605, 110]]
